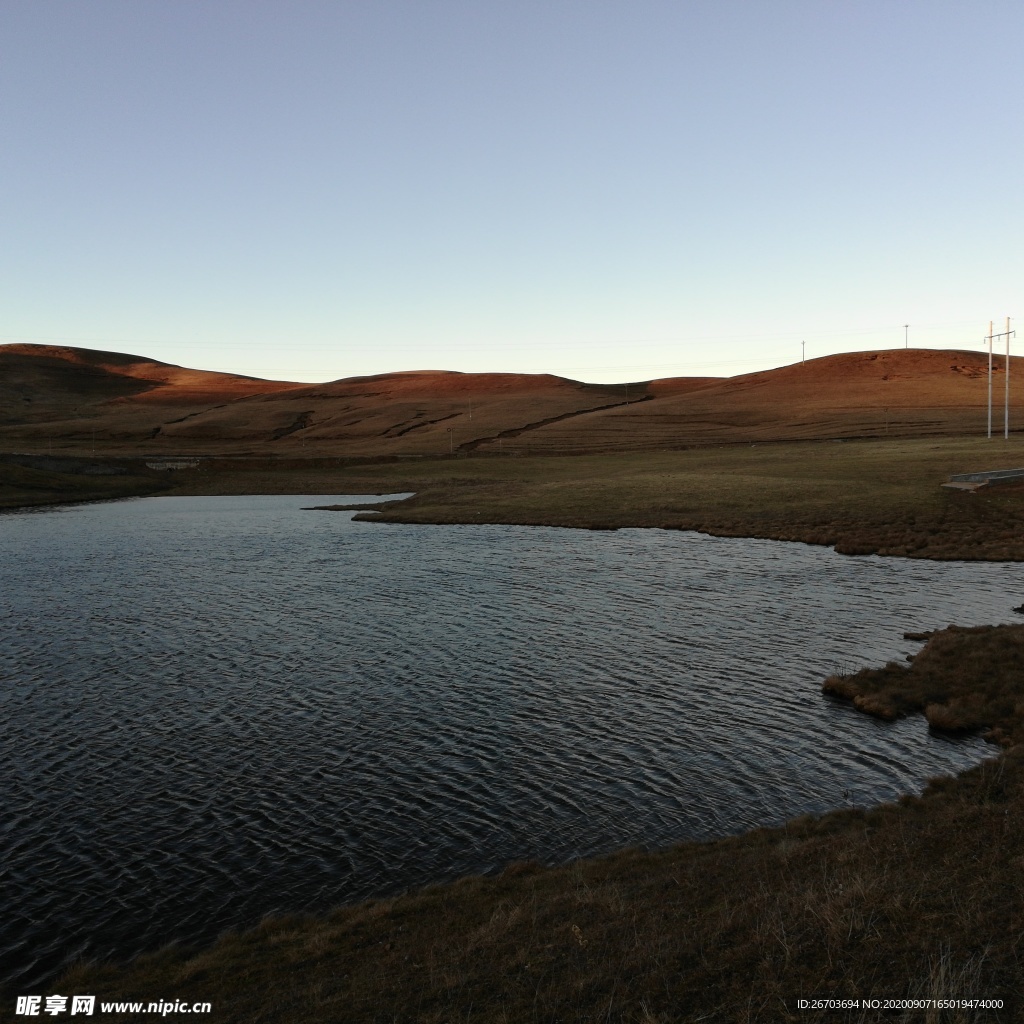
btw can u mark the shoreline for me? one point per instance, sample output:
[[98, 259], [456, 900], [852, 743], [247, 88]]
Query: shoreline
[[858, 867], [871, 497], [390, 513]]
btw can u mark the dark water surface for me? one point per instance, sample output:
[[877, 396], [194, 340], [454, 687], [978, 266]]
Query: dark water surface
[[215, 708]]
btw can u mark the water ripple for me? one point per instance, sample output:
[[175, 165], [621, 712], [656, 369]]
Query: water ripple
[[216, 708]]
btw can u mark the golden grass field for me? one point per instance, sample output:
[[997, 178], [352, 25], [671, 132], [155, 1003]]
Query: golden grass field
[[922, 899]]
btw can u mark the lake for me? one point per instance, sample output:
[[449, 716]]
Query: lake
[[218, 708]]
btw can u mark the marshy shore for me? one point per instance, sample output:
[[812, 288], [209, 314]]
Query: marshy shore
[[860, 497]]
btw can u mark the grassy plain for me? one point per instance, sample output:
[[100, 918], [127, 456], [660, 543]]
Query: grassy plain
[[858, 496]]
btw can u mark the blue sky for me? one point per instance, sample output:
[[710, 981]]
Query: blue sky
[[606, 190]]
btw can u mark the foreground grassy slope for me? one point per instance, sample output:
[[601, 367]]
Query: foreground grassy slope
[[920, 899]]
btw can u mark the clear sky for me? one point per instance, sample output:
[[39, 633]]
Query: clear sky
[[606, 189]]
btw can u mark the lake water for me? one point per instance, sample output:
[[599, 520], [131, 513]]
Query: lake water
[[216, 708]]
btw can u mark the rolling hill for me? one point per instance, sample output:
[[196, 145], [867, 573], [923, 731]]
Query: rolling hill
[[77, 400]]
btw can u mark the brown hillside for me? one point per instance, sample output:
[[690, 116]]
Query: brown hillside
[[67, 399], [44, 371], [64, 399], [417, 413], [50, 393], [899, 392]]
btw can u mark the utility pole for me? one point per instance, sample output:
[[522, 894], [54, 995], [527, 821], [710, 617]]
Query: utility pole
[[906, 335], [803, 351], [1006, 407], [1006, 400], [990, 379]]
